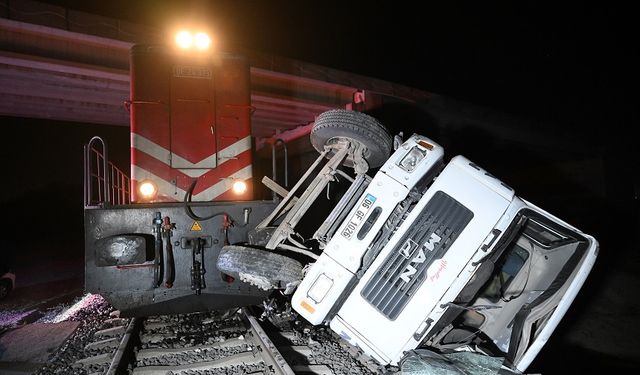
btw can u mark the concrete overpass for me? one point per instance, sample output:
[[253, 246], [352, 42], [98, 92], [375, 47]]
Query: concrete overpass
[[61, 64]]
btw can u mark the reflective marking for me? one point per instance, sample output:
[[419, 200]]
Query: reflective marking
[[307, 307], [168, 189], [225, 184], [235, 149], [194, 172], [155, 150], [164, 187]]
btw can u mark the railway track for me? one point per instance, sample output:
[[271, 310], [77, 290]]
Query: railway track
[[235, 342], [267, 340]]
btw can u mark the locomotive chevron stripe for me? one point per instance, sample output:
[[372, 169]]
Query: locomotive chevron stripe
[[151, 148], [211, 176], [210, 193], [148, 167], [153, 162]]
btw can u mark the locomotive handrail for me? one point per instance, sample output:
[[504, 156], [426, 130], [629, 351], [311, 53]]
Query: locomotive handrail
[[104, 183]]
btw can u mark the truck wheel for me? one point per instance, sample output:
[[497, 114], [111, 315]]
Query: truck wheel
[[337, 124], [264, 269]]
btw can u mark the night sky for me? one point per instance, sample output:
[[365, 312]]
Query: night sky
[[558, 62], [570, 67]]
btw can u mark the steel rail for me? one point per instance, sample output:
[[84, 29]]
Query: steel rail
[[118, 363], [273, 356]]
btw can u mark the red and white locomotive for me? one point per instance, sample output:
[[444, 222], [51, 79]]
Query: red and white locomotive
[[196, 117]]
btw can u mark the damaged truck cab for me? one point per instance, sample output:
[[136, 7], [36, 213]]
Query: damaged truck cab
[[445, 258]]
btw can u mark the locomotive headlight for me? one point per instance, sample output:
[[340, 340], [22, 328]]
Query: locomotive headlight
[[188, 41], [184, 39], [147, 190], [239, 186], [202, 41]]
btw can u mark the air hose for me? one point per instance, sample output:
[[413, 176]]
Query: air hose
[[189, 211]]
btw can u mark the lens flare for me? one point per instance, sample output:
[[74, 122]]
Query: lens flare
[[147, 189], [239, 187], [202, 41], [184, 39]]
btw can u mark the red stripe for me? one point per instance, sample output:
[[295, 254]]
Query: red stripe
[[210, 178], [152, 122], [225, 170], [151, 164]]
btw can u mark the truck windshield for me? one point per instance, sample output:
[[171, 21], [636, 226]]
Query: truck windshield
[[544, 235], [536, 237]]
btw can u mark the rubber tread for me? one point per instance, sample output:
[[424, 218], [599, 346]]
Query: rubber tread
[[235, 259], [355, 125]]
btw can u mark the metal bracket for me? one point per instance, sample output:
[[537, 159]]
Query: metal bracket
[[315, 188]]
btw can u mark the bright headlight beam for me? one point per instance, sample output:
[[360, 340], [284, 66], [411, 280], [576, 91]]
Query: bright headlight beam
[[202, 41], [184, 39], [147, 189], [239, 187]]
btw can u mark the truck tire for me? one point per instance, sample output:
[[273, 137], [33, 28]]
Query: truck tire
[[262, 268], [355, 126]]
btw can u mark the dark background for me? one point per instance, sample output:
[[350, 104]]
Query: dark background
[[565, 73], [569, 62]]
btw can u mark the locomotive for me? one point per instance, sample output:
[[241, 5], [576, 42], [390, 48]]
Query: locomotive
[[199, 118]]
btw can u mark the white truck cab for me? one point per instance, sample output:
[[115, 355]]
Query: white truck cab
[[449, 259], [336, 268]]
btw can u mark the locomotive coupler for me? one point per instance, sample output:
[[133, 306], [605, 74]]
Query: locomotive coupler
[[197, 269]]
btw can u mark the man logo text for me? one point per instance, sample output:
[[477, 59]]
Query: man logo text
[[420, 257]]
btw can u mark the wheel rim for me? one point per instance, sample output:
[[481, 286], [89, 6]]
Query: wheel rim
[[348, 161]]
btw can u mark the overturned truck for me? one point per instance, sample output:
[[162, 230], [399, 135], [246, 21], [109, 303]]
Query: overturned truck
[[422, 254]]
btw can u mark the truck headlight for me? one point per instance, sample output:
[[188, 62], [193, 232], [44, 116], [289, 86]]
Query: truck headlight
[[320, 288], [412, 158]]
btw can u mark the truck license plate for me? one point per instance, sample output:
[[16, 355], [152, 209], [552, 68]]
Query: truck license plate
[[358, 216]]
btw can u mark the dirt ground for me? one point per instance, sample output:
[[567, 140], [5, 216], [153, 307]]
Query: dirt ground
[[598, 334], [26, 337]]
